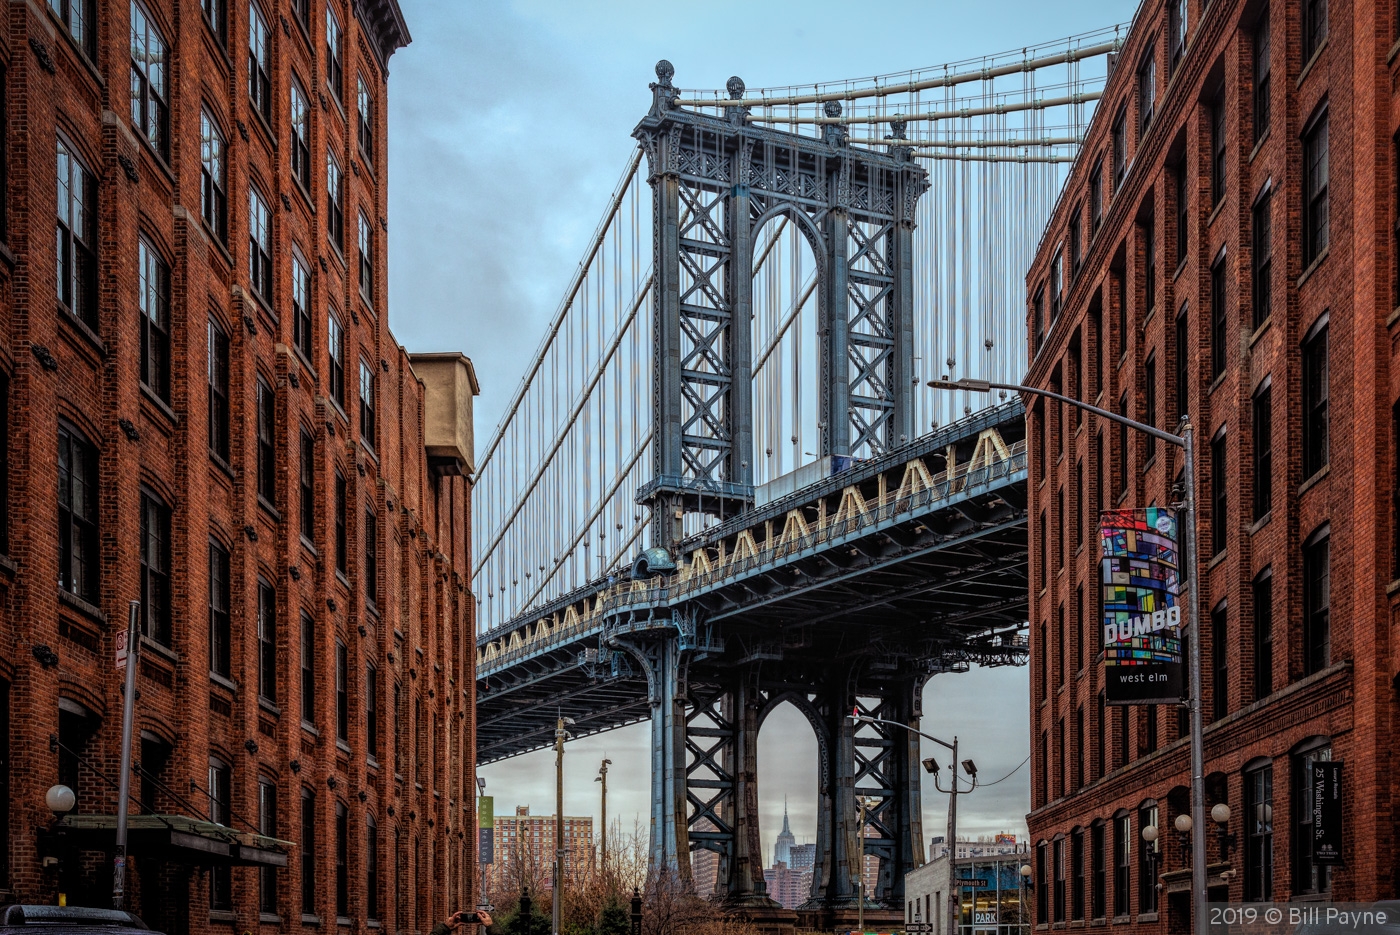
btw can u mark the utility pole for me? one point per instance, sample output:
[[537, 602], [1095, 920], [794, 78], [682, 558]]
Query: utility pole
[[133, 649], [560, 735], [953, 842], [603, 840]]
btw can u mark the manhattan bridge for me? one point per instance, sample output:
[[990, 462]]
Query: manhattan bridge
[[722, 484]]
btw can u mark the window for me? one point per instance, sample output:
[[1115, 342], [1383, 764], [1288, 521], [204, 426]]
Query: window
[[1219, 319], [220, 634], [1314, 27], [308, 668], [342, 695], [1317, 604], [1044, 766], [1059, 870], [1150, 265], [149, 81], [213, 12], [1263, 452], [365, 242], [1096, 198], [1149, 729], [1147, 93], [1259, 834], [1078, 518], [1122, 864], [1149, 860], [301, 136], [1220, 660], [367, 424], [372, 712], [259, 245], [1079, 775], [364, 112], [340, 540], [78, 17], [259, 64], [371, 569], [154, 284], [77, 237], [301, 306], [335, 341], [1038, 318], [301, 10], [267, 452], [1120, 147], [218, 391], [1057, 285], [1118, 293], [267, 826], [1183, 213], [155, 568], [371, 867], [1044, 663], [334, 69], [1125, 753], [308, 852], [1178, 15], [267, 641], [1076, 252], [1263, 635], [1101, 751], [1263, 265], [335, 204], [1149, 406], [1217, 148], [1219, 496], [1123, 446], [1042, 891], [220, 787], [1099, 865], [213, 191], [1261, 76], [1315, 211], [1183, 364], [307, 497], [1315, 420], [1308, 877]]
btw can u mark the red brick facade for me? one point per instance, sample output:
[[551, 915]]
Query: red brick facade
[[1296, 465], [374, 743]]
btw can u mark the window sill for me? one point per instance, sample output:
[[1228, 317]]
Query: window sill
[[1312, 267], [1122, 920], [308, 919], [1217, 558], [77, 50], [8, 566], [1393, 317], [310, 368], [1216, 383], [7, 256], [160, 649], [309, 728], [369, 450], [270, 918], [83, 329], [1259, 332], [1150, 463], [305, 195], [219, 245], [268, 705], [340, 576], [261, 122], [1315, 479], [220, 915], [309, 546], [1261, 523], [372, 924], [342, 746], [343, 922], [1147, 917], [1259, 144], [269, 509], [81, 606], [161, 405], [340, 411], [224, 682], [1180, 265], [1215, 212], [222, 465], [1317, 54]]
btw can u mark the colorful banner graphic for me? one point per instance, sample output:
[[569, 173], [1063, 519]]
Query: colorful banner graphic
[[1142, 619]]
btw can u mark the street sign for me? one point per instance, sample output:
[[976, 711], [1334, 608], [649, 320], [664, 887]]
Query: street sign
[[121, 650]]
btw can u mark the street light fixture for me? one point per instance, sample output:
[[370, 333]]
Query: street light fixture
[[931, 766], [1185, 441]]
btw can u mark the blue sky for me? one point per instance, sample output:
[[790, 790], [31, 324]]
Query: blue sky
[[509, 126]]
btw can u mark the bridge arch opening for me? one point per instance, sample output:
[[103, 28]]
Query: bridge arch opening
[[789, 787], [785, 345]]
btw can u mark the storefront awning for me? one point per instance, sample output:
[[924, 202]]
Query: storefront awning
[[178, 838]]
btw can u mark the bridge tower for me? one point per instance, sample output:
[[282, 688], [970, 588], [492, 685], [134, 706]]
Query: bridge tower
[[716, 181]]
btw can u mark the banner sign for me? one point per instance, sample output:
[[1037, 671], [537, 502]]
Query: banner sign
[[1142, 620], [1327, 812], [486, 829]]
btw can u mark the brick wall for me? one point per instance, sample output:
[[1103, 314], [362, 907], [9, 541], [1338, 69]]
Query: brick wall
[[1350, 699], [416, 635]]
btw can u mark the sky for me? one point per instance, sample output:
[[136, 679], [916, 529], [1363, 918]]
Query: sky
[[510, 124]]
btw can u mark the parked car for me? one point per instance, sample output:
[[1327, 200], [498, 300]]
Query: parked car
[[68, 920]]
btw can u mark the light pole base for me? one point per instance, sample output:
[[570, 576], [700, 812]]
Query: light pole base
[[843, 918]]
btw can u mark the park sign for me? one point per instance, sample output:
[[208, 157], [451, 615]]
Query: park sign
[[1142, 625]]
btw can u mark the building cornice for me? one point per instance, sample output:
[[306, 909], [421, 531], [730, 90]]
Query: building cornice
[[388, 31]]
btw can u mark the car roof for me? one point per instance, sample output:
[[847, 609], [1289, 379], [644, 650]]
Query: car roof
[[85, 916]]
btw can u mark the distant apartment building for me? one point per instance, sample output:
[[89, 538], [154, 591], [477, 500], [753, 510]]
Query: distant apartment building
[[789, 886], [525, 851]]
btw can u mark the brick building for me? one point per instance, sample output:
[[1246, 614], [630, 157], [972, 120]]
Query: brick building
[[206, 411], [525, 851], [1224, 248]]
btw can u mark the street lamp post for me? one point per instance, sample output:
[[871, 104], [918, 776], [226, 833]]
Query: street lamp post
[[560, 735], [1185, 440], [931, 765]]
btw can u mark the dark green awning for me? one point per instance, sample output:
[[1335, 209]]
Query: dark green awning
[[178, 838]]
